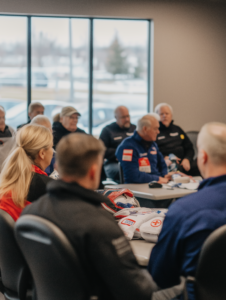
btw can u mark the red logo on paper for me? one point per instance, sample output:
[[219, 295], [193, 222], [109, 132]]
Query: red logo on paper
[[156, 223], [128, 222]]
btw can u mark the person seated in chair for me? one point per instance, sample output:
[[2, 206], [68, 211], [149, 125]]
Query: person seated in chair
[[173, 140], [7, 137], [112, 135], [64, 123], [191, 219], [139, 155], [34, 109], [23, 179], [72, 204]]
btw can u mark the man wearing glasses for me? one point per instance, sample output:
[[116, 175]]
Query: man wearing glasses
[[7, 140], [112, 135]]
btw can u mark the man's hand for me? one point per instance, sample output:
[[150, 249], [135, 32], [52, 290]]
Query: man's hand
[[178, 160], [163, 180], [167, 161], [169, 175], [186, 164]]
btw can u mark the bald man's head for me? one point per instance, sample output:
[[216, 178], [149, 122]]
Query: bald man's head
[[122, 116], [212, 140], [148, 127]]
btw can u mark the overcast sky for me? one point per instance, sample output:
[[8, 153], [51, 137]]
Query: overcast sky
[[131, 33]]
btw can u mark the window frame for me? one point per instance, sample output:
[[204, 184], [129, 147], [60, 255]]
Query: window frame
[[150, 55]]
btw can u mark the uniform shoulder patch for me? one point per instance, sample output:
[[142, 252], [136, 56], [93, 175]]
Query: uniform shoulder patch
[[182, 136], [127, 155]]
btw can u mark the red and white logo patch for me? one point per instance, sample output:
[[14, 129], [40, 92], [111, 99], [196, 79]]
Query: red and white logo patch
[[127, 155], [156, 223]]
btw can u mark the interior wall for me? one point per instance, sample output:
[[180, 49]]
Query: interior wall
[[189, 48]]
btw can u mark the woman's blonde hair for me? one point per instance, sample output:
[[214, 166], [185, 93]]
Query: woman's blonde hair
[[16, 174]]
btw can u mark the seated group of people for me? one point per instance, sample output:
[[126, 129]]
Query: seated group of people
[[144, 156], [73, 205]]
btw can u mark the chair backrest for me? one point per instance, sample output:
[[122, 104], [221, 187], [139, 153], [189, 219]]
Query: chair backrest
[[210, 279], [14, 271], [121, 176], [53, 262], [193, 138]]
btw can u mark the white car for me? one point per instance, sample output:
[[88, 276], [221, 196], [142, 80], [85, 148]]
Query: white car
[[102, 112]]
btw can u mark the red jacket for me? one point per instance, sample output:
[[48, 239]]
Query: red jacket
[[7, 204]]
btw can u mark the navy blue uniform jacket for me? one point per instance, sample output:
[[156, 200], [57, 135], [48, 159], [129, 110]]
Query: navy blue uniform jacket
[[189, 221], [130, 160]]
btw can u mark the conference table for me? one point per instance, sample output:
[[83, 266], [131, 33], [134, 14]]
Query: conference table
[[142, 251], [154, 197]]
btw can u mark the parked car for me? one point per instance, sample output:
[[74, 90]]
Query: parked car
[[102, 112], [9, 103], [38, 79]]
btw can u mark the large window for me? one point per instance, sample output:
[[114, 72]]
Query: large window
[[91, 64], [13, 67], [120, 69]]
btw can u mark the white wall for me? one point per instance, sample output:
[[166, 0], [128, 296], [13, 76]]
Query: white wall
[[189, 48]]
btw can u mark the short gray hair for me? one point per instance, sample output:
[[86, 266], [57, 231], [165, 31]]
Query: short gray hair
[[146, 121], [40, 120], [2, 108], [34, 105], [160, 105], [212, 139], [76, 152]]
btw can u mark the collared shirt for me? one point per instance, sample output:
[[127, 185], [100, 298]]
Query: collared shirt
[[112, 136], [189, 221], [173, 139], [141, 161]]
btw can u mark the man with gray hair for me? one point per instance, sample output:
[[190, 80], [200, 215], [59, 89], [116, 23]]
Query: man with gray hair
[[139, 155], [112, 135], [7, 140], [71, 203], [191, 219], [173, 140], [34, 109]]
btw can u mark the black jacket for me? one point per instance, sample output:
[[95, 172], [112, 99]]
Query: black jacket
[[110, 266], [59, 131], [174, 140], [38, 186], [21, 125], [112, 135]]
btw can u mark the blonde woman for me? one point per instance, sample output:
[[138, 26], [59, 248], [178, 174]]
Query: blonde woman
[[23, 179]]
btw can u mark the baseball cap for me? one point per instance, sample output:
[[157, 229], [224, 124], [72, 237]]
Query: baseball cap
[[68, 111]]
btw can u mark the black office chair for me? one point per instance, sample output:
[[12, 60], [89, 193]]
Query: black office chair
[[193, 138], [210, 278], [121, 176], [54, 265], [15, 274]]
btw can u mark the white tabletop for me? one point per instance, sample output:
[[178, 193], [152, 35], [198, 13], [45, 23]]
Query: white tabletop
[[143, 191], [142, 251]]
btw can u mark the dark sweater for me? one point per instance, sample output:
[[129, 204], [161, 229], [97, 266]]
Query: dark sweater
[[59, 131], [112, 136], [174, 140]]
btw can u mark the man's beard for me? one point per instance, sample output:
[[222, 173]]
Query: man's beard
[[127, 125]]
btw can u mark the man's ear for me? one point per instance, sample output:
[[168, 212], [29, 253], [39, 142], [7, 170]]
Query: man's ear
[[92, 171], [41, 153], [204, 156]]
